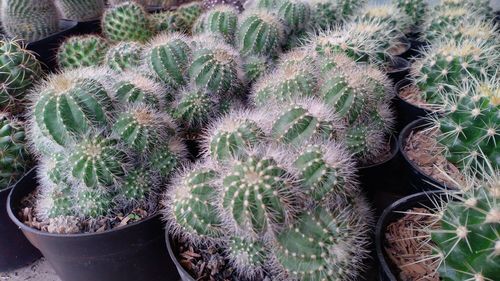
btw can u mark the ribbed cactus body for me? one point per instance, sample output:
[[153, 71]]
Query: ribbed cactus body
[[260, 33], [30, 20], [365, 140], [469, 131], [70, 105], [168, 58], [323, 14], [295, 13], [124, 56], [81, 10], [59, 201], [186, 15], [222, 20], [212, 4], [416, 10], [247, 255], [142, 127], [14, 159], [139, 90], [255, 66], [82, 51], [137, 185], [93, 203], [167, 158], [195, 107], [97, 161], [193, 210], [20, 69], [127, 22], [216, 69], [256, 195]]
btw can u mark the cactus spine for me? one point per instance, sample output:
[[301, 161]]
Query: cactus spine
[[124, 56], [127, 22], [260, 33], [222, 20], [82, 51], [81, 10]]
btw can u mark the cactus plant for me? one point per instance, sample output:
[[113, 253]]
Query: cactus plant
[[127, 22], [186, 15], [82, 51], [168, 57], [295, 14], [255, 67], [81, 10], [260, 33], [69, 104], [124, 56], [134, 88], [469, 130], [386, 12], [14, 159], [20, 69], [211, 4], [416, 10], [222, 19], [448, 63], [30, 20], [195, 107]]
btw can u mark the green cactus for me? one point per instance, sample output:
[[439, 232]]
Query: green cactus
[[260, 33], [20, 69], [137, 185], [295, 14], [469, 130], [248, 256], [194, 107], [216, 68], [55, 200], [127, 22], [222, 19], [233, 135], [348, 8], [478, 30], [186, 15], [416, 10], [124, 56], [366, 141], [386, 12], [168, 58], [449, 63], [212, 4], [444, 20], [69, 104], [93, 203], [323, 14], [98, 161], [258, 194], [29, 20], [165, 159], [81, 10], [82, 51], [192, 212], [142, 127], [134, 88], [255, 67], [14, 158]]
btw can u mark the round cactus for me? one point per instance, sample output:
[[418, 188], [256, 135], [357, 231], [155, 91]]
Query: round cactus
[[55, 200], [67, 105], [81, 10], [137, 185], [415, 10], [124, 56], [233, 135], [186, 15], [127, 22], [212, 4], [248, 256], [222, 19], [14, 159], [469, 130], [260, 33], [142, 128], [323, 14], [29, 20], [20, 69], [92, 203], [258, 194], [216, 68], [168, 58], [134, 88], [191, 211], [295, 14], [167, 157], [385, 12], [255, 67], [365, 140], [82, 51], [194, 108]]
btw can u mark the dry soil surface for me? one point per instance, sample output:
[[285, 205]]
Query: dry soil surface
[[38, 271]]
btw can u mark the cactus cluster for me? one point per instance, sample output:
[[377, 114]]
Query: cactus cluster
[[82, 51], [29, 20], [81, 10], [105, 143], [128, 21]]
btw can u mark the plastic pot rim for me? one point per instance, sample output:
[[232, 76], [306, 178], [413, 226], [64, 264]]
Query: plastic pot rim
[[404, 63], [64, 26], [173, 257], [399, 86], [26, 228], [380, 230]]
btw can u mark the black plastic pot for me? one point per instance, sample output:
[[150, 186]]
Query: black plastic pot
[[382, 181], [15, 250], [406, 47], [400, 68], [387, 271], [417, 179], [46, 49], [131, 253], [406, 111], [416, 49], [88, 27], [172, 252]]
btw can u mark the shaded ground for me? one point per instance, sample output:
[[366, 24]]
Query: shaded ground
[[38, 271]]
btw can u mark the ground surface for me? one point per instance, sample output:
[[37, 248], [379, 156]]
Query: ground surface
[[38, 271]]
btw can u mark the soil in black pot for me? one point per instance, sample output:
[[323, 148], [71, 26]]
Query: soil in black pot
[[412, 95], [424, 151]]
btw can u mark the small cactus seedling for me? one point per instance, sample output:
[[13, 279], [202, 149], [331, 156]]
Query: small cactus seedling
[[29, 20], [222, 19], [448, 63], [81, 10], [124, 56], [233, 135], [295, 14], [18, 72], [216, 68], [82, 51], [127, 22], [69, 104], [260, 33], [191, 210], [168, 57], [14, 159], [470, 129]]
